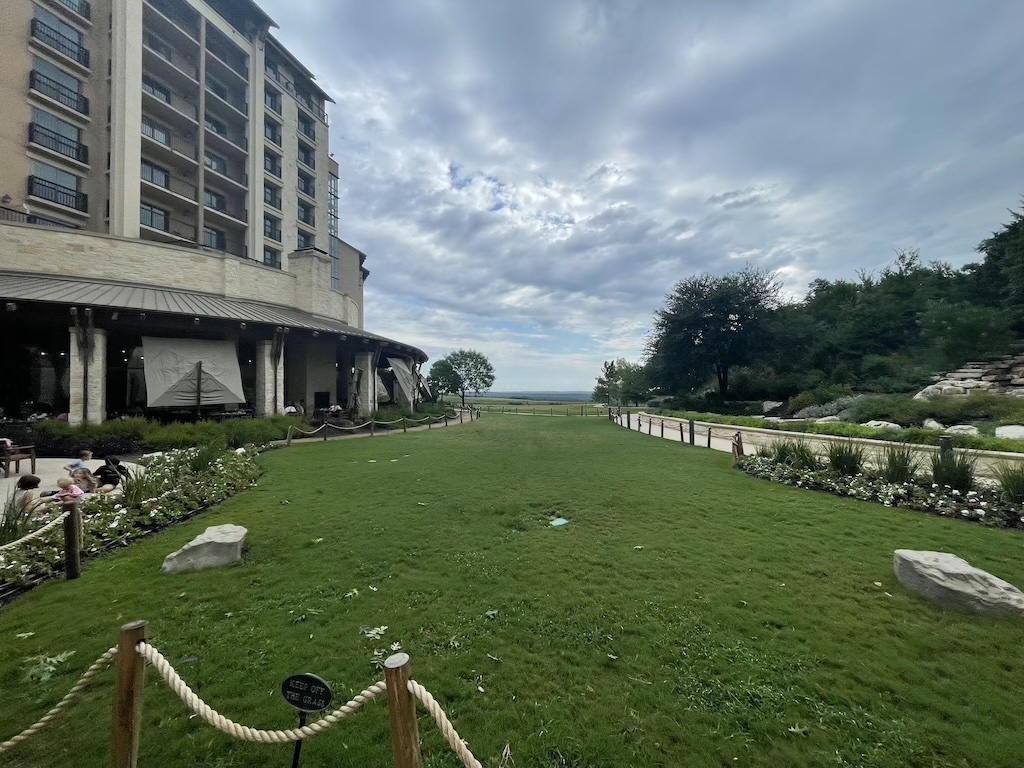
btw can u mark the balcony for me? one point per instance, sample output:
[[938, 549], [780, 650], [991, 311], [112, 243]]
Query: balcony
[[169, 105], [307, 216], [20, 217], [271, 231], [62, 44], [55, 193], [169, 145], [228, 208], [308, 130], [178, 14], [43, 137], [167, 60], [58, 92], [162, 180], [176, 228], [306, 101], [227, 97], [81, 7], [232, 171], [306, 187], [227, 56]]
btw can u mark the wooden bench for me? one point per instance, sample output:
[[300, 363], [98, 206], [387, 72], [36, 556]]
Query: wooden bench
[[16, 453]]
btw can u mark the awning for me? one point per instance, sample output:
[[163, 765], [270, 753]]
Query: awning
[[181, 371], [404, 377], [131, 296]]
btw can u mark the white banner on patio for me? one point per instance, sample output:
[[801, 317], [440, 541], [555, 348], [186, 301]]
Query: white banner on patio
[[172, 372]]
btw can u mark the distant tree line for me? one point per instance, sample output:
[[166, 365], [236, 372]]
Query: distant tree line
[[732, 337]]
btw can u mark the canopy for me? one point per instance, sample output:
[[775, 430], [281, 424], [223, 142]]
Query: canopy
[[404, 376], [176, 369]]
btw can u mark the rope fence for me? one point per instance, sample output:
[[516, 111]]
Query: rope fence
[[405, 421], [38, 533], [134, 653]]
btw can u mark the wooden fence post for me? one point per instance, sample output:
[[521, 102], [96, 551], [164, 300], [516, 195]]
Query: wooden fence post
[[650, 424], [288, 439], [692, 431], [326, 430], [405, 427], [405, 737], [72, 541], [663, 428], [131, 672], [946, 447], [373, 427], [709, 437], [460, 417], [628, 425], [446, 418]]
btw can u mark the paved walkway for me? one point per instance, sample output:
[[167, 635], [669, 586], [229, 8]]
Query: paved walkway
[[754, 438]]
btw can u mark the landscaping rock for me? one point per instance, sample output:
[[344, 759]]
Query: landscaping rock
[[828, 420], [1011, 432], [876, 424], [770, 405], [954, 390], [217, 546], [933, 424], [962, 429], [952, 582]]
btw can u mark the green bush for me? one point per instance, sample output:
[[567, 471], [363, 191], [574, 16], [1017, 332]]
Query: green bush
[[798, 454], [1011, 482], [847, 458], [954, 470], [905, 410], [899, 464]]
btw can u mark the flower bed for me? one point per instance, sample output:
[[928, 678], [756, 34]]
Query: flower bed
[[174, 486], [984, 506]]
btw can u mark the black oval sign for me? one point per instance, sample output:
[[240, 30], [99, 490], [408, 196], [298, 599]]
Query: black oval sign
[[307, 693]]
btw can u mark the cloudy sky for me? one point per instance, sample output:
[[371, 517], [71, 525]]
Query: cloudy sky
[[530, 178]]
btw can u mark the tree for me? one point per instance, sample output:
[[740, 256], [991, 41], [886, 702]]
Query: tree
[[622, 382], [443, 379], [711, 324], [606, 390], [464, 370]]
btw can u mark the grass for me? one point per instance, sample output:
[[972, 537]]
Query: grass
[[688, 615]]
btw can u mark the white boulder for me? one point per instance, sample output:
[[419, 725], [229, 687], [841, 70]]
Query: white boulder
[[770, 405], [828, 420], [217, 546], [952, 582], [877, 424], [1011, 432], [962, 429], [933, 424]]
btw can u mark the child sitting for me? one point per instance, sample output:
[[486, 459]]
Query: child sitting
[[110, 474], [85, 480], [68, 493], [78, 463]]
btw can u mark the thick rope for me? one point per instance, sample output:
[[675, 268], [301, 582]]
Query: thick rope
[[36, 533], [456, 742], [98, 666], [244, 732]]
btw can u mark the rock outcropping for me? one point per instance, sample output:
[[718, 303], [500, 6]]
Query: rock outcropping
[[217, 546], [952, 582], [1004, 376]]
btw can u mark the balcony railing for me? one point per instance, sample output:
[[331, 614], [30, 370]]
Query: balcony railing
[[180, 14], [228, 208], [308, 160], [168, 54], [307, 217], [44, 137], [20, 217], [306, 187], [307, 102], [156, 220], [58, 91], [81, 7], [274, 233], [235, 99], [59, 42], [307, 130], [55, 193], [179, 103], [175, 142], [235, 61], [169, 182]]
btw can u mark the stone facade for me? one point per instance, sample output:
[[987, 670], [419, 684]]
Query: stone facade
[[1004, 376]]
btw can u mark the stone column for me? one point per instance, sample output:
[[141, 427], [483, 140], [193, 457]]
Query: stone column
[[367, 404], [88, 388], [263, 400], [126, 117]]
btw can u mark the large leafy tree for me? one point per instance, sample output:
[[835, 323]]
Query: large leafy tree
[[462, 371], [710, 325], [622, 382]]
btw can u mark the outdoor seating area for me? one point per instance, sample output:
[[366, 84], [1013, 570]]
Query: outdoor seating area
[[15, 454]]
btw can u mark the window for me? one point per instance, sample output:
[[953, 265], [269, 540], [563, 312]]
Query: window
[[55, 73], [151, 216], [307, 155], [335, 251], [307, 127], [272, 195], [56, 176], [272, 257], [272, 228], [216, 126], [156, 89], [272, 99], [58, 25], [155, 132], [56, 125], [272, 163], [271, 68], [215, 163], [158, 46], [155, 174], [332, 204], [215, 200], [304, 240], [272, 130], [305, 185], [214, 238], [217, 87], [307, 214]]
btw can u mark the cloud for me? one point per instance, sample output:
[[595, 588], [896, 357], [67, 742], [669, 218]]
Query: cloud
[[532, 178]]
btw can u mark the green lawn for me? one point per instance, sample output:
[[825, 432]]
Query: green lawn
[[687, 616]]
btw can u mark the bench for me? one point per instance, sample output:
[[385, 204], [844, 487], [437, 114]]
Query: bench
[[16, 453]]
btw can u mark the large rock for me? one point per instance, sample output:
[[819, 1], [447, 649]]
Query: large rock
[[933, 424], [217, 546], [954, 583], [877, 424], [1012, 432], [962, 429], [770, 405], [828, 420]]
